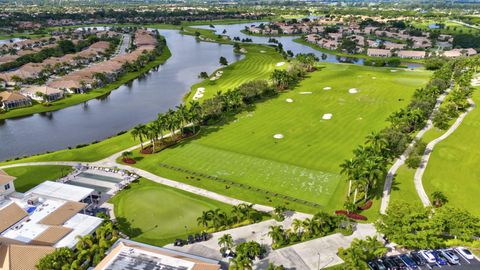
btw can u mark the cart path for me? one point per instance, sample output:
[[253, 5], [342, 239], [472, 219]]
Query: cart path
[[401, 160], [428, 151]]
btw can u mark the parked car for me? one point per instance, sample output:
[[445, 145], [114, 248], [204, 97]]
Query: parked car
[[376, 265], [190, 238], [464, 252], [417, 258], [438, 258], [408, 261], [450, 256], [400, 263], [198, 238], [205, 236], [179, 243], [390, 263], [428, 256]]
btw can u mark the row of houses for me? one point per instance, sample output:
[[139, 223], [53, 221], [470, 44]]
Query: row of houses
[[419, 54], [54, 65]]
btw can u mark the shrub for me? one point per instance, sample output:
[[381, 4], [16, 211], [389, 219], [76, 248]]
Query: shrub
[[356, 216]]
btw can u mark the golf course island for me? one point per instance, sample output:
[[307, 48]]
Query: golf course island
[[203, 135]]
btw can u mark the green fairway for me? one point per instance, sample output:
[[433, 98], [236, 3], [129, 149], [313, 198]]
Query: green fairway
[[158, 214], [453, 166], [305, 163], [30, 176], [259, 63]]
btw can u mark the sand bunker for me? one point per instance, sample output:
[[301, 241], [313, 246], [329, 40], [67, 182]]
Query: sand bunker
[[199, 93], [305, 93], [279, 64], [373, 78], [352, 90], [327, 88], [393, 70], [278, 136], [327, 116], [289, 100], [217, 76], [262, 51]]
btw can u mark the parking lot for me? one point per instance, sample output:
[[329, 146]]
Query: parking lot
[[465, 264]]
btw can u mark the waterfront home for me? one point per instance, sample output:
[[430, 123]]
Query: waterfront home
[[379, 53], [393, 46], [6, 184], [460, 52], [411, 54], [12, 100], [42, 93]]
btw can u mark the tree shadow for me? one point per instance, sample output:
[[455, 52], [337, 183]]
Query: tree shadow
[[126, 227]]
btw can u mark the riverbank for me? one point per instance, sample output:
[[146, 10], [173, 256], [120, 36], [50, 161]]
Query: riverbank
[[79, 98], [357, 56]]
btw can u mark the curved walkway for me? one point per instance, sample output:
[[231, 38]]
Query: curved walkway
[[401, 160], [428, 150]]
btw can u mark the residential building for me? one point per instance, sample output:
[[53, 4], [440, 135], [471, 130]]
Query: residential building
[[460, 52], [6, 184], [12, 100], [130, 255], [411, 54], [43, 93], [379, 53]]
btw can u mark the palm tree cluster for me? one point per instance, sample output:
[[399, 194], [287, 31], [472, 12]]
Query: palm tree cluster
[[219, 219], [367, 169], [362, 251], [246, 253], [319, 225], [89, 251], [171, 121]]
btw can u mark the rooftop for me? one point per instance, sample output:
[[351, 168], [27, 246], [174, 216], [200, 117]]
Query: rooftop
[[130, 255], [61, 191]]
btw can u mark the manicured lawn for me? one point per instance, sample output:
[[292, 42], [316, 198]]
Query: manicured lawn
[[453, 27], [259, 63], [92, 152], [403, 188], [158, 214], [79, 98], [454, 164], [30, 176], [305, 163]]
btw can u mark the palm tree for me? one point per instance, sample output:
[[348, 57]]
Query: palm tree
[[139, 132], [195, 113], [226, 241], [240, 263], [297, 226], [219, 218], [277, 235], [205, 218], [126, 154], [439, 198], [152, 134], [171, 122], [182, 114]]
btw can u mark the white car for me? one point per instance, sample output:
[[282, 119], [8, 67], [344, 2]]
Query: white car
[[427, 256], [464, 252]]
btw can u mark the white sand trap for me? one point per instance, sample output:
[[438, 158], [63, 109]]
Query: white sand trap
[[289, 100], [199, 93], [262, 51], [393, 70], [327, 88], [278, 136], [352, 90], [327, 116], [279, 64], [305, 93], [373, 78]]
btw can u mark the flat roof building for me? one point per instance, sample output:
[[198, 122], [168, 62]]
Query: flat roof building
[[130, 255]]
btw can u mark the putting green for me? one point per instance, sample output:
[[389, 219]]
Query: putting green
[[305, 163], [453, 166], [159, 214]]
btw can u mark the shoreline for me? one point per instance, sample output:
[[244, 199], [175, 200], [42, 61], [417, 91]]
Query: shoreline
[[76, 99]]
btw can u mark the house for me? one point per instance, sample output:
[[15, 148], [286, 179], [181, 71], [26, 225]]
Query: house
[[127, 254], [411, 54], [460, 52], [47, 93], [393, 46], [18, 256], [379, 53], [6, 184], [12, 100]]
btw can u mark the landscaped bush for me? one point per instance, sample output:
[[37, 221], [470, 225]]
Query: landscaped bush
[[367, 205]]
